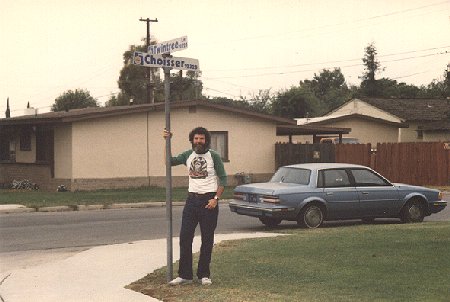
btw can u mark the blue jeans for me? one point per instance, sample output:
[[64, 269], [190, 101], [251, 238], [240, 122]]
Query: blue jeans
[[195, 213]]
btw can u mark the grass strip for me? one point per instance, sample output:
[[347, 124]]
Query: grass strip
[[105, 197]]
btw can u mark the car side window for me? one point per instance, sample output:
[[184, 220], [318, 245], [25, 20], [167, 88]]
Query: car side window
[[366, 178], [334, 178]]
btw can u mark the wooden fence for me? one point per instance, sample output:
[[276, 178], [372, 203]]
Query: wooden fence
[[359, 154], [288, 154], [412, 163]]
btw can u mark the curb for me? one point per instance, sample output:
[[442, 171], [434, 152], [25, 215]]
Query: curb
[[20, 209], [12, 209], [55, 209]]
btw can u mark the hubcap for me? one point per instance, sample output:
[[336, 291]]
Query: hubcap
[[414, 211], [313, 217]]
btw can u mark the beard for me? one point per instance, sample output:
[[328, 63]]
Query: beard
[[199, 148]]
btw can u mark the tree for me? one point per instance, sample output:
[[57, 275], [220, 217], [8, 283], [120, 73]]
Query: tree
[[74, 100], [436, 89], [261, 101], [329, 86], [327, 80], [133, 83], [372, 66], [296, 102], [187, 87]]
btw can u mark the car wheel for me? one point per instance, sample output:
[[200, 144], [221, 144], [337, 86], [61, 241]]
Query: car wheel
[[270, 222], [311, 217], [413, 211]]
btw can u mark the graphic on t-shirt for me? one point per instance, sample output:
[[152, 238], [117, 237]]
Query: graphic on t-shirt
[[198, 168]]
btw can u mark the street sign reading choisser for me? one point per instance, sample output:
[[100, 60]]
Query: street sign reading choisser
[[148, 60]]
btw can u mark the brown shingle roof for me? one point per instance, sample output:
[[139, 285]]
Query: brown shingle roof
[[100, 112], [413, 109], [443, 125]]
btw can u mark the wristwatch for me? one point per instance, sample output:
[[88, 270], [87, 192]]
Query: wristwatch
[[216, 198]]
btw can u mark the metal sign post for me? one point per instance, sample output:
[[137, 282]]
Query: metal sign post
[[168, 176], [159, 56]]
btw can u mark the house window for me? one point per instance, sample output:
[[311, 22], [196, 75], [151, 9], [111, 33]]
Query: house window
[[25, 139], [219, 143], [7, 147], [419, 132], [4, 149], [44, 146]]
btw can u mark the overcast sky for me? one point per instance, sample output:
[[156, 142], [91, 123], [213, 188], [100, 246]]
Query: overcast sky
[[51, 46]]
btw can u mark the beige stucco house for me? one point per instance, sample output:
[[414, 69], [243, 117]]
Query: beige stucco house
[[390, 120], [114, 147]]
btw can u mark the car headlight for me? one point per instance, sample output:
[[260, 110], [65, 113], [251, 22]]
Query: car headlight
[[270, 199], [440, 196]]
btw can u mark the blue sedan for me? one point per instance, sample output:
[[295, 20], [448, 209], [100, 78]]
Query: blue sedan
[[312, 193]]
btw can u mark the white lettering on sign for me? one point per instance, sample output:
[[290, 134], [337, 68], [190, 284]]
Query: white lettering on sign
[[168, 46], [148, 60]]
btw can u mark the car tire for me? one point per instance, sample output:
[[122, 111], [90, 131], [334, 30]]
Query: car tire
[[412, 211], [311, 216], [270, 222]]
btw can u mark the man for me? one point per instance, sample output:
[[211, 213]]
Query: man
[[207, 179]]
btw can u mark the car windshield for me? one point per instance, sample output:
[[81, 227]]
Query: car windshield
[[348, 140], [292, 175]]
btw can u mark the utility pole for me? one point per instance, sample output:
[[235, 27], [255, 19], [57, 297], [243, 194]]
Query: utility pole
[[148, 74], [7, 112]]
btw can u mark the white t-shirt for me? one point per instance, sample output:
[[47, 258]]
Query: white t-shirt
[[202, 175]]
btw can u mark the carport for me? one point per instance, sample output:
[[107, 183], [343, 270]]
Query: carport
[[316, 131]]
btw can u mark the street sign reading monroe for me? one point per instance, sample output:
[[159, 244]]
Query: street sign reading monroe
[[148, 60]]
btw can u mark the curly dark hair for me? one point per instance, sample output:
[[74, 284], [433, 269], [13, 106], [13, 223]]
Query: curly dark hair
[[201, 130]]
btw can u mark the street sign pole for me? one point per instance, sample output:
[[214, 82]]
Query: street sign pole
[[168, 176], [159, 56]]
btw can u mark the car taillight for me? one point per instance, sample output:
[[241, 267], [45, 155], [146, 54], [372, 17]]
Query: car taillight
[[270, 199], [238, 195]]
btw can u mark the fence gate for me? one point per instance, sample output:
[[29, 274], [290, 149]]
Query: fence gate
[[358, 154]]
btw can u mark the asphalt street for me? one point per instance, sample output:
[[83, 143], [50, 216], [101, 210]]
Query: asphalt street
[[83, 229], [44, 231], [33, 238]]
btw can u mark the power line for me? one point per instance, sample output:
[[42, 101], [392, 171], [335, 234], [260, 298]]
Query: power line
[[309, 70], [206, 88], [327, 62]]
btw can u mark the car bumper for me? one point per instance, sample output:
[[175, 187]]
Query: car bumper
[[261, 209], [437, 206]]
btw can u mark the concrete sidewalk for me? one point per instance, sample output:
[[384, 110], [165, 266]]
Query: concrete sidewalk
[[97, 274]]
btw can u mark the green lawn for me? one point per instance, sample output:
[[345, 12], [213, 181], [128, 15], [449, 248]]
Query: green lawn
[[382, 262], [105, 197]]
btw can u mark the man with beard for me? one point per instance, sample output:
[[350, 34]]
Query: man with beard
[[207, 179]]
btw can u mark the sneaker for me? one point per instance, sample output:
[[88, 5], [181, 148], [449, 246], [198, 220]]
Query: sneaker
[[206, 281], [179, 281]]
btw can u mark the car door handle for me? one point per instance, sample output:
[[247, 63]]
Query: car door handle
[[365, 193], [329, 193]]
